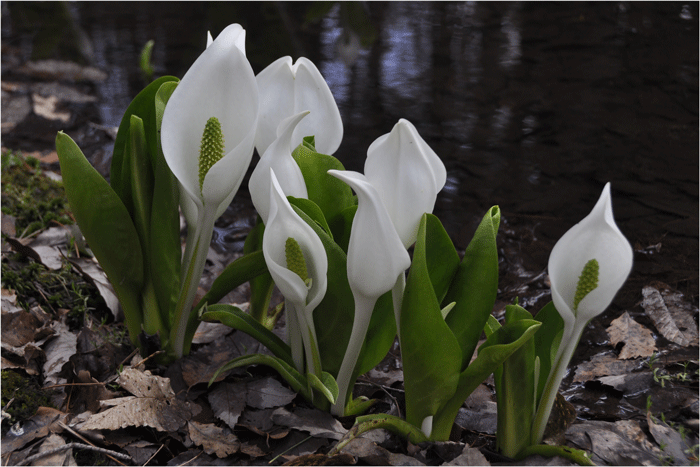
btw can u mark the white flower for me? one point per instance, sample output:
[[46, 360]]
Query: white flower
[[219, 84], [408, 176], [278, 157], [376, 259], [587, 267], [286, 90], [598, 238], [207, 136], [302, 296]]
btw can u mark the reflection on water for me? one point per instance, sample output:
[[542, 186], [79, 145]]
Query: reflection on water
[[532, 106]]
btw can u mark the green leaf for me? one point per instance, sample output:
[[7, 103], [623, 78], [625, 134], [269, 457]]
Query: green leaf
[[141, 180], [236, 273], [107, 227], [441, 257], [237, 319], [499, 346], [312, 210], [515, 391], [142, 106], [165, 250], [475, 285], [431, 355], [329, 193], [295, 379], [328, 387], [341, 226], [547, 341]]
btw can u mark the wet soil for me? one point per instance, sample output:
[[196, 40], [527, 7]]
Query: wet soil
[[532, 106]]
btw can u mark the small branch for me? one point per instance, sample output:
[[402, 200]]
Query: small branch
[[65, 447]]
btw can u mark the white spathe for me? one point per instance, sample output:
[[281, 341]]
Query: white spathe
[[287, 89], [221, 84], [278, 157], [407, 174], [595, 237], [283, 223], [376, 255]]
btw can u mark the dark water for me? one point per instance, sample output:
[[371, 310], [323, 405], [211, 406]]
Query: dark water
[[532, 106]]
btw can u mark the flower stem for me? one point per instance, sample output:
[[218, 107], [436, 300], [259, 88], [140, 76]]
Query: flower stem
[[397, 298], [363, 313], [569, 342], [194, 268]]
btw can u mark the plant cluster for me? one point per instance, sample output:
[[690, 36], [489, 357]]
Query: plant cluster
[[335, 243]]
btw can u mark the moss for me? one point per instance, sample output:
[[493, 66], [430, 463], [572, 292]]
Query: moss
[[35, 201], [27, 394], [53, 290]]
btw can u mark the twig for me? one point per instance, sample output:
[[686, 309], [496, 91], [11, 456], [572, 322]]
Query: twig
[[65, 447], [154, 454], [82, 438]]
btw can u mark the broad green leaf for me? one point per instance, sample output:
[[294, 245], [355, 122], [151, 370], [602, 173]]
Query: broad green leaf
[[142, 106], [499, 346], [141, 180], [328, 387], [237, 319], [547, 341], [165, 251], [238, 272], [431, 355], [329, 193], [341, 226], [107, 227], [515, 391], [295, 379], [475, 285], [312, 210], [441, 256]]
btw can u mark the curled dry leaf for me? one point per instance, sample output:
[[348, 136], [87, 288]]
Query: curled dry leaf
[[672, 315], [154, 405], [639, 341]]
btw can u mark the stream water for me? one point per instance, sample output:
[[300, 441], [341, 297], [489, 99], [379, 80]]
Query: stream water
[[532, 106]]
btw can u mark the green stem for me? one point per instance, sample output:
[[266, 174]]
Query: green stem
[[574, 455], [376, 421], [294, 335], [363, 313], [561, 361], [194, 269]]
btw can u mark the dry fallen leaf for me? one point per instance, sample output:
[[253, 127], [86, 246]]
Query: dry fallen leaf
[[268, 392], [608, 445], [214, 439], [313, 421], [672, 315], [639, 341], [154, 404], [227, 400], [58, 351], [670, 441], [604, 365]]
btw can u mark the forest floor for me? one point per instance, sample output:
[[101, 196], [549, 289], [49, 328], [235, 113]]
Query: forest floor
[[631, 392]]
